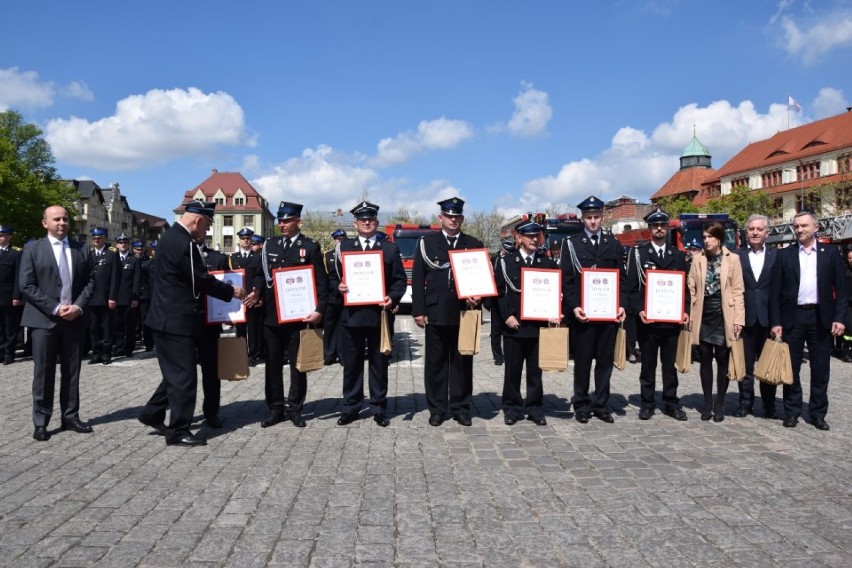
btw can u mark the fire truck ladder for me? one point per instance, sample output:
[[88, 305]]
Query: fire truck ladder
[[836, 228]]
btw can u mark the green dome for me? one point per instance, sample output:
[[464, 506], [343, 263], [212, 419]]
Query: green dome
[[695, 148]]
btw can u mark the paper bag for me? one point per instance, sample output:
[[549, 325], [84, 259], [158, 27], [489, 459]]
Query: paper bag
[[553, 348], [785, 376], [469, 326], [683, 357], [765, 362], [619, 359], [310, 356], [736, 360], [385, 343], [232, 359]]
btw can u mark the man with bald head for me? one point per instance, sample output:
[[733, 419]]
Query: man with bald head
[[56, 281]]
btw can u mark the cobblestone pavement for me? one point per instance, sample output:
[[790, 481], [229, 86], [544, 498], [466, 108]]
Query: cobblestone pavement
[[744, 492]]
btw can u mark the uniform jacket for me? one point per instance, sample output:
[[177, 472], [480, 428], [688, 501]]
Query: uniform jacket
[[40, 285], [236, 260], [733, 304], [648, 259], [433, 291], [509, 301], [607, 254], [145, 265], [178, 284], [334, 296], [758, 287], [395, 283], [107, 274], [10, 263], [832, 293], [302, 253], [129, 280]]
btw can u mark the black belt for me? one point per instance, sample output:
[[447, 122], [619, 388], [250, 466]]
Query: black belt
[[807, 306]]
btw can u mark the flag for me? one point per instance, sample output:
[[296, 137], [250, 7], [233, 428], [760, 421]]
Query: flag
[[791, 103]]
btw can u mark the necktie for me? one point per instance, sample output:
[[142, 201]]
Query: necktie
[[529, 260], [245, 254], [64, 277], [595, 241], [452, 241], [287, 243], [367, 245]]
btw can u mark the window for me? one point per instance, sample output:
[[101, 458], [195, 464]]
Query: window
[[228, 242], [771, 179], [809, 170], [208, 241], [220, 201], [228, 220], [248, 221], [811, 202], [239, 201]]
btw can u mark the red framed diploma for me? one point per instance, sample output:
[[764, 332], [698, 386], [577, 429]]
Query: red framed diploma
[[472, 273], [295, 293], [216, 311], [599, 293], [364, 275], [664, 295], [541, 294]]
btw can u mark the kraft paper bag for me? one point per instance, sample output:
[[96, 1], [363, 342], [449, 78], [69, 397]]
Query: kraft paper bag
[[619, 357], [385, 343], [553, 348], [768, 357], [785, 375], [310, 356], [232, 359], [683, 356], [470, 325], [736, 360]]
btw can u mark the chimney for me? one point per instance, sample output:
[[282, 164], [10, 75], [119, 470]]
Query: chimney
[[215, 171]]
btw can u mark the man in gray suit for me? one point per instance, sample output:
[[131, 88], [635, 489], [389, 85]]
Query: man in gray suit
[[56, 281]]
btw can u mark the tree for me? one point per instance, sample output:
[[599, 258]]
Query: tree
[[319, 226], [674, 205], [741, 203], [404, 215], [485, 226], [28, 180]]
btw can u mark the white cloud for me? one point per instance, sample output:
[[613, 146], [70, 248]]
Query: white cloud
[[23, 89], [829, 102], [150, 129], [79, 90], [532, 114], [439, 134], [832, 31]]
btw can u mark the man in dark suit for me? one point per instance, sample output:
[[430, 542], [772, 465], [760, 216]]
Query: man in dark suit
[[436, 307], [655, 337], [521, 336], [240, 259], [176, 319], [593, 340], [10, 295], [127, 300], [56, 281], [105, 267], [208, 351], [808, 305], [291, 249], [334, 305], [359, 327], [758, 261], [145, 261]]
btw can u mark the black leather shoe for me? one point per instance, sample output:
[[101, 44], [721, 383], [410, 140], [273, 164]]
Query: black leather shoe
[[347, 418], [297, 420], [537, 420], [158, 426], [718, 417], [510, 420], [498, 361], [646, 413], [329, 361], [604, 416], [8, 361], [677, 413], [189, 440], [769, 413], [706, 415], [41, 434], [95, 360], [128, 354], [821, 424], [436, 420], [107, 360], [582, 417], [273, 420], [462, 419], [214, 422], [743, 411], [790, 422], [77, 425], [381, 420]]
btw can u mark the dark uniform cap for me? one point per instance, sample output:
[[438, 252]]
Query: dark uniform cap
[[199, 207], [528, 228], [245, 232], [381, 235], [365, 210], [258, 239], [509, 244], [137, 244], [452, 206], [658, 216], [591, 203], [289, 210], [694, 244], [153, 244], [6, 230], [338, 234], [98, 232], [122, 238]]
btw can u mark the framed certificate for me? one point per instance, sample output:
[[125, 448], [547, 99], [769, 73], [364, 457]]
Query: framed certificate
[[295, 293], [216, 311], [664, 295], [599, 293], [541, 293], [472, 273], [364, 274]]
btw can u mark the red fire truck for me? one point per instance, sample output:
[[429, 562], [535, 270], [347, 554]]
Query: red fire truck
[[406, 235], [686, 228], [555, 228]]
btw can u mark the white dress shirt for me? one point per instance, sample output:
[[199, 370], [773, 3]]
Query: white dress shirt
[[808, 275]]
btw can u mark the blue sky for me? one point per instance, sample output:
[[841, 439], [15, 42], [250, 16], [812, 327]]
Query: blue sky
[[518, 105]]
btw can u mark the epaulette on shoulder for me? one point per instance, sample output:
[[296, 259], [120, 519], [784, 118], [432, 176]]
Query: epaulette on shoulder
[[17, 249], [113, 249]]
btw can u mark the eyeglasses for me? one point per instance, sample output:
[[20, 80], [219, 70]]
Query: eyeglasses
[[370, 220]]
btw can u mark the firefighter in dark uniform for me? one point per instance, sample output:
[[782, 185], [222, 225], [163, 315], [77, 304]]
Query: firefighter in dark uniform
[[520, 337], [655, 338], [291, 249], [127, 301], [333, 306], [255, 315], [507, 248], [208, 348], [239, 259], [591, 248], [10, 295], [106, 267], [145, 265], [436, 307], [359, 327]]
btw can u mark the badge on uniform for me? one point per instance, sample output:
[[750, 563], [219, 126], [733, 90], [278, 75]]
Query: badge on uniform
[[301, 255]]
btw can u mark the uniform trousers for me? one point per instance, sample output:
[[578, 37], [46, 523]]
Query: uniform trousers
[[754, 338], [593, 341], [10, 321], [352, 344], [519, 351], [808, 330], [330, 335], [496, 331], [100, 326], [147, 337], [124, 328], [254, 333], [64, 340], [208, 359], [446, 371], [281, 339], [655, 340]]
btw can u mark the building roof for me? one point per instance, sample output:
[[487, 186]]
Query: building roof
[[686, 180], [86, 187], [832, 133], [695, 148], [153, 221], [229, 183]]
